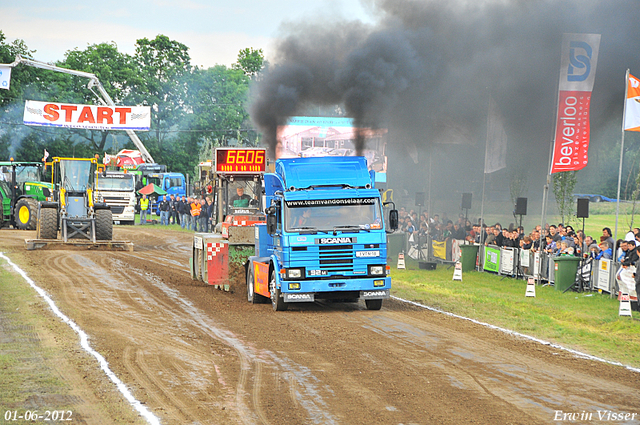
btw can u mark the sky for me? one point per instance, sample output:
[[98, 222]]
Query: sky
[[214, 30]]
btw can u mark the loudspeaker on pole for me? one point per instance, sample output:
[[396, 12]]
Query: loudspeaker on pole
[[582, 211], [466, 201], [521, 206], [419, 199]]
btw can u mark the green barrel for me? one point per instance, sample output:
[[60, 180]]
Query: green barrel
[[469, 255], [565, 271]]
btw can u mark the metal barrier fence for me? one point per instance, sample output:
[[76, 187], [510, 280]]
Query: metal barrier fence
[[512, 262], [521, 263]]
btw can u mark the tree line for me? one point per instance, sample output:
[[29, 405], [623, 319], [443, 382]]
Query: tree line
[[193, 109]]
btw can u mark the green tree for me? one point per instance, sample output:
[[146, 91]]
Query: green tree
[[250, 61], [165, 68], [563, 185], [20, 76], [116, 72]]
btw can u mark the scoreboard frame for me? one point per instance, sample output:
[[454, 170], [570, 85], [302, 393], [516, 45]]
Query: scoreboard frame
[[240, 160]]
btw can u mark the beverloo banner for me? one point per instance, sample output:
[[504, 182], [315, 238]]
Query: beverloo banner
[[577, 74]]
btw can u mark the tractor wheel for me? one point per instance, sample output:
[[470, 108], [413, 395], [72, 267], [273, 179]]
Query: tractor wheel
[[26, 211], [48, 223], [104, 225], [277, 302], [373, 304]]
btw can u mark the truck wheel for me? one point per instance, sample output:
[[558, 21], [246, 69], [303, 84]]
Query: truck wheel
[[373, 304], [26, 211], [48, 223], [277, 302], [252, 297], [104, 225]]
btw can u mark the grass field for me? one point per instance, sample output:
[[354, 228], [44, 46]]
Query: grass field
[[588, 322]]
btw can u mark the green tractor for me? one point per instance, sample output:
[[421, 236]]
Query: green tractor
[[21, 188], [73, 209]]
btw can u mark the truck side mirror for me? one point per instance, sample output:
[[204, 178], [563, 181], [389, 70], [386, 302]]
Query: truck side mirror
[[393, 219], [272, 221]]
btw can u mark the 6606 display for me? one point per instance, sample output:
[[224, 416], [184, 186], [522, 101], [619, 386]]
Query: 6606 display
[[241, 160]]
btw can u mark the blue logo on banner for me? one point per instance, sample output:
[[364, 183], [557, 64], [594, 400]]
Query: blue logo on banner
[[577, 62]]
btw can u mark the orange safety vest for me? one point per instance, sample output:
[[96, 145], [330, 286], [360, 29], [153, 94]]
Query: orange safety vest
[[195, 209]]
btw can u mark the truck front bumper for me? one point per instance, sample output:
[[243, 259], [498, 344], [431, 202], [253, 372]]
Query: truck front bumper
[[310, 290]]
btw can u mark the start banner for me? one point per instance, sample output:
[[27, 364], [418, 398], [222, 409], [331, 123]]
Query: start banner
[[90, 117], [577, 74]]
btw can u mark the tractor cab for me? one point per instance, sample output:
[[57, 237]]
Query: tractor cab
[[235, 180], [74, 211]]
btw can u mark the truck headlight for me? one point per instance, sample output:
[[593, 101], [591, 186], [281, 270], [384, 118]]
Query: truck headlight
[[376, 269], [294, 273], [294, 286], [377, 283]]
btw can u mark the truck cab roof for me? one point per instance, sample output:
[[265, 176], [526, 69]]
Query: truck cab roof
[[339, 171]]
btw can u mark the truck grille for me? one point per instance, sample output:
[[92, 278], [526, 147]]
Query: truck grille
[[336, 258]]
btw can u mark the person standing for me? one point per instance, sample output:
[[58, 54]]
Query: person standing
[[164, 211], [179, 210], [204, 216], [144, 207], [184, 213], [195, 213], [210, 213], [172, 210]]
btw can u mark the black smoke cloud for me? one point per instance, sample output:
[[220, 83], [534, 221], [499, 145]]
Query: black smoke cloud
[[427, 67]]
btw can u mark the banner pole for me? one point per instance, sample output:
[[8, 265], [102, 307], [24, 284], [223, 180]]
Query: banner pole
[[624, 111]]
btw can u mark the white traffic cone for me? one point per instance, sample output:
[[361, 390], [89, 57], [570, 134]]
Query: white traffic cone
[[531, 287], [400, 261], [625, 305], [457, 271]]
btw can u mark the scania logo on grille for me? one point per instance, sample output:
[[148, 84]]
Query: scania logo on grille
[[375, 294], [288, 297], [327, 241]]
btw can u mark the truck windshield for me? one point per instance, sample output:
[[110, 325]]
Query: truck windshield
[[27, 173], [118, 182], [333, 214], [75, 175]]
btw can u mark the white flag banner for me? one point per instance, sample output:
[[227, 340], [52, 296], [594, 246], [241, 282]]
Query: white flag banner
[[495, 156], [632, 110], [5, 77], [91, 117]]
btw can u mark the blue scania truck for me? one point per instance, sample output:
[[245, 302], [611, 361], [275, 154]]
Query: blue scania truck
[[324, 236]]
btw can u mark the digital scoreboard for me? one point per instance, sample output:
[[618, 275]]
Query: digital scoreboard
[[241, 160]]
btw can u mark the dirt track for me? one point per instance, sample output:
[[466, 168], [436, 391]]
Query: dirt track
[[193, 354]]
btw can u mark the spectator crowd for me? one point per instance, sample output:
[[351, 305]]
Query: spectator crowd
[[556, 240], [189, 212]]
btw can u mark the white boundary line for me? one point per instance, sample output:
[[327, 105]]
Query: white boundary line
[[84, 343], [510, 332]]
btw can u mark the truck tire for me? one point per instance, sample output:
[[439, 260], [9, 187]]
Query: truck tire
[[277, 302], [373, 304], [104, 225], [26, 214], [48, 223], [252, 297]]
